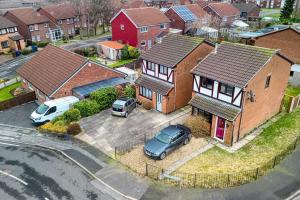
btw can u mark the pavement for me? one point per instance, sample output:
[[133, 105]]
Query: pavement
[[85, 43], [8, 68], [18, 115], [105, 131], [111, 178]]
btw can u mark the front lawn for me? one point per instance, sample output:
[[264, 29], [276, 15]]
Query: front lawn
[[292, 91], [5, 92], [273, 140], [121, 62]]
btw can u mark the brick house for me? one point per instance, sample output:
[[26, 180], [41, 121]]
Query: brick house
[[222, 14], [166, 83], [54, 72], [248, 10], [286, 39], [31, 25], [185, 17], [63, 16], [10, 39], [238, 87], [139, 27]]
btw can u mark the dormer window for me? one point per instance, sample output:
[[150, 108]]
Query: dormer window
[[122, 27], [144, 29], [226, 89], [206, 83]]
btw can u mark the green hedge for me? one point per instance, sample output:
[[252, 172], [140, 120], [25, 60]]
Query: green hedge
[[104, 97], [72, 115], [87, 107]]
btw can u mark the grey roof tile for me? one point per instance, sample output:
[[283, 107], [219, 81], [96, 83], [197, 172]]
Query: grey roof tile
[[154, 84]]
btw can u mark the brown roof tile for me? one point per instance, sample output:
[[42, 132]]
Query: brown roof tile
[[215, 107], [29, 16], [5, 23], [50, 68], [234, 64], [154, 84], [61, 11], [146, 16], [224, 9], [172, 50], [196, 10]]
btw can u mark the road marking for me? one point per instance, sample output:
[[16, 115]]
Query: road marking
[[14, 177], [9, 144]]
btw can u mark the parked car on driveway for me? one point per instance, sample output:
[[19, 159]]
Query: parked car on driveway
[[51, 109], [167, 140], [123, 106]]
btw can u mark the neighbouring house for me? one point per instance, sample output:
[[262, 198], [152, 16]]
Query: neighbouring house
[[288, 40], [64, 17], [185, 17], [133, 4], [31, 25], [10, 39], [54, 72], [139, 27], [110, 49], [165, 83], [248, 11], [204, 32], [237, 87], [222, 14]]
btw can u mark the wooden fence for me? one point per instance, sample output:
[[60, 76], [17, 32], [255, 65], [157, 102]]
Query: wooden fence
[[19, 100], [291, 103]]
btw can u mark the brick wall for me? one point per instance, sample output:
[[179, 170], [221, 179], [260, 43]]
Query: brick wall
[[176, 21], [268, 100], [89, 74], [42, 30], [22, 27]]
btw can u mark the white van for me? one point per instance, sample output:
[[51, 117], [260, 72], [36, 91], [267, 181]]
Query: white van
[[51, 109]]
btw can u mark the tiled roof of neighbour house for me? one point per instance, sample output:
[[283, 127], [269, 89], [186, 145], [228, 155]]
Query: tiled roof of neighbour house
[[224, 9], [61, 11], [216, 107], [234, 64], [29, 16], [50, 68], [154, 84], [5, 23], [196, 10], [112, 44], [134, 4], [172, 49], [245, 7], [184, 13], [202, 3], [146, 16], [16, 36]]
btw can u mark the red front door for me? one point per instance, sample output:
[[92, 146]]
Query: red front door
[[220, 128]]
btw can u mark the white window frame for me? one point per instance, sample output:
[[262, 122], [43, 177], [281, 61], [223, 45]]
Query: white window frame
[[60, 21], [31, 28], [122, 27], [30, 86], [162, 26], [46, 25], [144, 29], [36, 27], [145, 43], [68, 21], [224, 19], [38, 38]]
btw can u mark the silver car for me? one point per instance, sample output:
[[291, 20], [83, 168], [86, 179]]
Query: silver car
[[123, 106]]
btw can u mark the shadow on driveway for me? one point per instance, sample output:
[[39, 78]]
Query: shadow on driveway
[[19, 115]]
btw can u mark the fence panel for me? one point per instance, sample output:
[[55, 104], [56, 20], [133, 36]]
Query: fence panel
[[19, 100]]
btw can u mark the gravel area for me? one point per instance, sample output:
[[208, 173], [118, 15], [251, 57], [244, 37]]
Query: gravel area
[[136, 160]]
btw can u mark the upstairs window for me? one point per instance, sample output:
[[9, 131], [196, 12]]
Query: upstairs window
[[163, 70], [59, 21], [163, 26], [206, 83], [31, 28], [226, 89], [122, 27], [46, 25], [36, 27], [268, 80], [144, 29], [224, 19], [151, 66]]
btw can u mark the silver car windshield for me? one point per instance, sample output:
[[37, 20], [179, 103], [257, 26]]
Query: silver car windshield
[[42, 109], [164, 138]]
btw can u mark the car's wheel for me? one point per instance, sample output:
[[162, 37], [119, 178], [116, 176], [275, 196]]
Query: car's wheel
[[162, 156], [186, 141], [126, 114]]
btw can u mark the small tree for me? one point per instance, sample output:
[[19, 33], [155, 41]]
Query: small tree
[[287, 10], [129, 91], [133, 52], [125, 53]]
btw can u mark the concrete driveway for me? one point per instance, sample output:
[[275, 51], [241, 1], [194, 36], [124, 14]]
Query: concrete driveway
[[19, 115], [105, 131]]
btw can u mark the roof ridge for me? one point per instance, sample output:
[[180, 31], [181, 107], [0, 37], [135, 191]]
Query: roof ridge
[[249, 46]]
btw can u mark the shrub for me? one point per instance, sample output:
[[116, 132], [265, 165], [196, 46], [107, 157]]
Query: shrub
[[133, 52], [58, 118], [74, 129], [120, 91], [72, 115], [104, 97], [147, 105], [26, 51], [79, 51], [87, 107], [129, 91], [198, 125], [57, 127], [125, 53], [42, 44]]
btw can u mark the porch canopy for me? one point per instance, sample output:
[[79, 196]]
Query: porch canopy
[[215, 107], [162, 87]]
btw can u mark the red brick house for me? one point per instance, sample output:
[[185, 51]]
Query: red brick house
[[223, 14], [55, 72], [238, 87], [248, 11], [63, 16], [139, 27], [185, 17], [31, 25], [166, 83]]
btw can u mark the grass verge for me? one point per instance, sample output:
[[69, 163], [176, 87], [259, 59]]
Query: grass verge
[[273, 140], [121, 62], [5, 92]]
